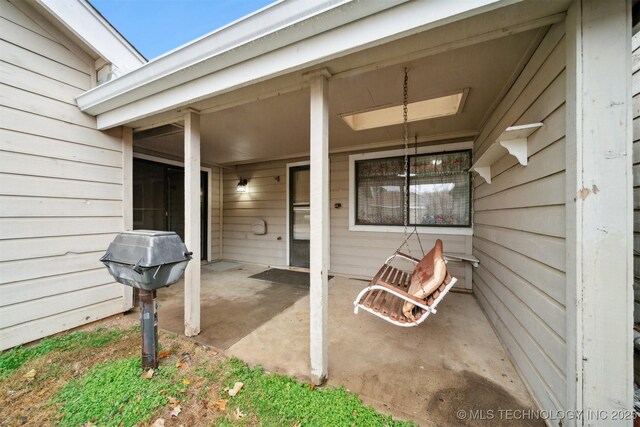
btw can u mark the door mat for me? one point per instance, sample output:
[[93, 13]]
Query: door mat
[[285, 277], [222, 266]]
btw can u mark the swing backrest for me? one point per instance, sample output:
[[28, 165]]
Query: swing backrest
[[429, 275]]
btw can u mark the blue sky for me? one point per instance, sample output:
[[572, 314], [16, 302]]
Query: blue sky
[[155, 27]]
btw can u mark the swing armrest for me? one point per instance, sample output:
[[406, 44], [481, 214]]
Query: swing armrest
[[408, 257], [401, 294]]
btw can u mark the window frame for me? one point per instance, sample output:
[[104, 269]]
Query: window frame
[[466, 230]]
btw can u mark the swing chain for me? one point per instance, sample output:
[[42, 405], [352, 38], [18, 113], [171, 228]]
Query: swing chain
[[405, 123]]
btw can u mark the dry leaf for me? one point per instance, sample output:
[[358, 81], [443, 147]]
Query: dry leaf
[[238, 414], [176, 411], [236, 389], [164, 354], [158, 423], [312, 386], [31, 374], [222, 404], [186, 382], [172, 400], [148, 374], [179, 364]]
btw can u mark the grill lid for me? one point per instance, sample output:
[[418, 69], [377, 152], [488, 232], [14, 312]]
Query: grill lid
[[147, 248]]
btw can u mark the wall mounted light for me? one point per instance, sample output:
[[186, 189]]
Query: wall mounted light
[[242, 186]]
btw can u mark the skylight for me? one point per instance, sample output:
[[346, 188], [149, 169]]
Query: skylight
[[421, 110]]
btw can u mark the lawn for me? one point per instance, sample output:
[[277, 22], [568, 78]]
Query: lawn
[[93, 378]]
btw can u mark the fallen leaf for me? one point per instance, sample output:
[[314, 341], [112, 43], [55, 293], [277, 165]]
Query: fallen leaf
[[236, 389], [186, 382], [164, 354], [312, 386], [41, 392], [148, 374], [238, 414], [172, 400], [176, 411], [179, 364], [31, 374], [222, 404], [158, 423]]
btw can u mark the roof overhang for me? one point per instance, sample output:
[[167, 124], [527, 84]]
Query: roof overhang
[[89, 26], [282, 38]]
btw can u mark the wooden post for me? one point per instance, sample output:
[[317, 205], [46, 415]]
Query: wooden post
[[319, 244], [599, 210], [127, 200], [192, 222]]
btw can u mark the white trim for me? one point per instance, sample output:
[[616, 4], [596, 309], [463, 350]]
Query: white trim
[[440, 148], [209, 172], [79, 17], [288, 222]]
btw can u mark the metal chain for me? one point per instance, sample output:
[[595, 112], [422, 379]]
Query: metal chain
[[405, 122]]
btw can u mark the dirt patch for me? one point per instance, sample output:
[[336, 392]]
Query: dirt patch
[[477, 401]]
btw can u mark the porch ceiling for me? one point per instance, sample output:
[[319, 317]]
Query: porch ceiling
[[278, 126]]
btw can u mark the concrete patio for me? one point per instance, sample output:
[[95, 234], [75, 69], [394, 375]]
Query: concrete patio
[[452, 362]]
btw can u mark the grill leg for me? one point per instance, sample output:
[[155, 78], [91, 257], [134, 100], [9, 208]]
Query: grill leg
[[149, 327]]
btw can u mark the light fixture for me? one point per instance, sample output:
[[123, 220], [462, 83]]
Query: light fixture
[[421, 110], [242, 186]]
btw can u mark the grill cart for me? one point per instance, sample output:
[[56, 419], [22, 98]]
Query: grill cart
[[147, 260]]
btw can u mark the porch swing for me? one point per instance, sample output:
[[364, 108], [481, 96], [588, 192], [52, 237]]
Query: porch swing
[[401, 297]]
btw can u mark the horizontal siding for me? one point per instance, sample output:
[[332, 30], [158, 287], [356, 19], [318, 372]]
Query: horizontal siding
[[636, 178], [519, 226], [216, 216], [60, 188], [265, 200]]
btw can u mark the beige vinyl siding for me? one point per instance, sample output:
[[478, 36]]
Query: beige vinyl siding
[[61, 187], [353, 253], [215, 227], [636, 174], [519, 226], [265, 200]]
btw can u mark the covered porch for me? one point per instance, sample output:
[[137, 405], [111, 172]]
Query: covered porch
[[518, 73]]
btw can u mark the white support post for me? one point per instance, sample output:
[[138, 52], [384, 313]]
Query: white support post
[[192, 222], [127, 200], [319, 245], [599, 212]]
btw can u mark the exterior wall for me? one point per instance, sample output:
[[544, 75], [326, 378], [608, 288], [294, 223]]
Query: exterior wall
[[61, 187], [519, 222], [353, 253], [636, 175], [266, 200], [635, 82], [215, 228]]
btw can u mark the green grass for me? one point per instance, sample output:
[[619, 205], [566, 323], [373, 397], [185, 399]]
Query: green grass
[[278, 400], [16, 357], [114, 394]]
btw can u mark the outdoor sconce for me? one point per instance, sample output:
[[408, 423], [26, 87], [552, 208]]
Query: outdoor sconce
[[242, 186]]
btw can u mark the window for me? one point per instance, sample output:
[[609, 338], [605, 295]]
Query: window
[[439, 189]]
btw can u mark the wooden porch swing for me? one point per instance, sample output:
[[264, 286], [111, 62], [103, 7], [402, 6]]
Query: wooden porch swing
[[401, 297]]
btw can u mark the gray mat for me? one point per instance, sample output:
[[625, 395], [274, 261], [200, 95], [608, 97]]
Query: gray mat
[[285, 277]]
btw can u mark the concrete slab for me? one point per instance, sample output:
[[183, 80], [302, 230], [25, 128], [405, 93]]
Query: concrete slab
[[232, 305], [451, 362]]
